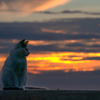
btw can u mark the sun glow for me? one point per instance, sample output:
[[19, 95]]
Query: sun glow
[[67, 61], [51, 4]]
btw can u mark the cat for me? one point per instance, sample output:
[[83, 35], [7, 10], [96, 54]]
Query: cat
[[14, 71]]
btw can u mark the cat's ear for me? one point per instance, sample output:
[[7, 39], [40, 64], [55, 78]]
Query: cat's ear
[[22, 41], [19, 44], [26, 42]]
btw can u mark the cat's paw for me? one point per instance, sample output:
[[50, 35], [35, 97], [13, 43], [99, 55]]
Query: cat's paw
[[21, 88]]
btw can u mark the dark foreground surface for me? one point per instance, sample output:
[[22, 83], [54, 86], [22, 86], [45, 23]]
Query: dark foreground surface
[[48, 95]]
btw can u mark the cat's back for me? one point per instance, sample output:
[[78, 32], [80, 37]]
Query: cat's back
[[6, 63], [6, 66]]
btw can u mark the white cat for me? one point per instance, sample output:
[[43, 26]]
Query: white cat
[[14, 71]]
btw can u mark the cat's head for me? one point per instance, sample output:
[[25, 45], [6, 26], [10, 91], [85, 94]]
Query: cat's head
[[21, 48]]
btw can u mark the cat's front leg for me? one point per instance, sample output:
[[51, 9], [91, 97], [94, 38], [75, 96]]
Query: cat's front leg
[[15, 79], [14, 75], [23, 80]]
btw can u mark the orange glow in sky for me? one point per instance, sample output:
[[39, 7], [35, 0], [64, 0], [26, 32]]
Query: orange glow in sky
[[53, 31], [24, 8], [67, 61], [51, 4]]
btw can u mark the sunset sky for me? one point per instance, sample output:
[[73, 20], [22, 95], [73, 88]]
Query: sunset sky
[[64, 40]]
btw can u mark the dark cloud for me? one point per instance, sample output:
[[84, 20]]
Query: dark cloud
[[66, 81], [75, 44], [44, 48], [5, 50], [84, 45], [6, 46], [92, 58], [46, 12], [69, 12], [75, 29], [72, 47], [83, 12], [86, 28]]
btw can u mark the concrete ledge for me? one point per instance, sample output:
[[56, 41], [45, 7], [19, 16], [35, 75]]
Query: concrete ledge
[[48, 95]]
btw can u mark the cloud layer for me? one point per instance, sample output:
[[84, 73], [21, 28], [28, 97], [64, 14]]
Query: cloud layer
[[29, 5], [70, 12]]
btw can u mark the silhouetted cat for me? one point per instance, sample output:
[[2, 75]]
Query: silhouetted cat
[[14, 71]]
